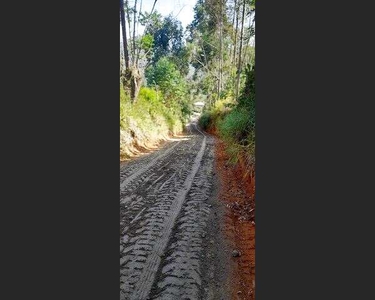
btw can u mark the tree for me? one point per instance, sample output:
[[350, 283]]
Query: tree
[[167, 35], [124, 38], [165, 76], [208, 33], [239, 66], [134, 24]]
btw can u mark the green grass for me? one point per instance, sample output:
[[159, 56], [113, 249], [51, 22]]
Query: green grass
[[148, 119], [236, 127]]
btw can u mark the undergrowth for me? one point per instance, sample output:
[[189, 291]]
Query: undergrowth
[[235, 122], [147, 120]]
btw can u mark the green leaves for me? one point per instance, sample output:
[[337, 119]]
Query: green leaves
[[147, 42], [165, 77], [167, 34], [247, 98]]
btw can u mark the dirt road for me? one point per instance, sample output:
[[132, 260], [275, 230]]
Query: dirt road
[[170, 240]]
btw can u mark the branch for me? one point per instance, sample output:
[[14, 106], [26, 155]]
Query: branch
[[207, 69], [148, 22]]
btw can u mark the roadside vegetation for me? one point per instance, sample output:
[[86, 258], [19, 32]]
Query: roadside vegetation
[[166, 69], [234, 123], [224, 32], [155, 98]]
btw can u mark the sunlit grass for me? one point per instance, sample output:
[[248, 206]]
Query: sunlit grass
[[147, 121]]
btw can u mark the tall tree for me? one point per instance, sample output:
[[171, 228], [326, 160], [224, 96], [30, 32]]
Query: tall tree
[[239, 66], [127, 10], [146, 22], [124, 38], [220, 48], [236, 8], [134, 24], [167, 38]]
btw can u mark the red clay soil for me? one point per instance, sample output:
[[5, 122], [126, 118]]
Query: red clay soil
[[237, 193]]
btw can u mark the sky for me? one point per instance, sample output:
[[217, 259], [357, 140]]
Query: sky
[[183, 9], [165, 7]]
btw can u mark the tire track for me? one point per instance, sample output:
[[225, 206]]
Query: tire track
[[141, 170], [162, 220], [180, 274], [138, 239], [150, 171], [148, 189], [143, 287]]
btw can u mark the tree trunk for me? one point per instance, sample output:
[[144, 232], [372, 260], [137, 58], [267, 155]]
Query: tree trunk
[[235, 34], [139, 15], [129, 72], [134, 22], [124, 39], [248, 55], [240, 52], [220, 50], [129, 28], [234, 19]]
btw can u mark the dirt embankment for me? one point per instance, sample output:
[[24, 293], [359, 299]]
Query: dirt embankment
[[133, 145], [237, 193], [136, 140]]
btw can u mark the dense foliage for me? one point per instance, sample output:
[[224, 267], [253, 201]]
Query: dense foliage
[[224, 61]]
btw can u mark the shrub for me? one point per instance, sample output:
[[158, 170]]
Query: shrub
[[148, 119], [204, 120], [235, 126]]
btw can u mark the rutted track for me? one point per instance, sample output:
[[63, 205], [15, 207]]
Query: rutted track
[[129, 177], [164, 213]]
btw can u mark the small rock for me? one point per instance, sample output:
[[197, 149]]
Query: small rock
[[239, 292], [236, 253], [203, 235]]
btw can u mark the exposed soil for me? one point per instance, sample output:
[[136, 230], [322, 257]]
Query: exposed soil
[[172, 243], [237, 193], [138, 149], [186, 223]]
